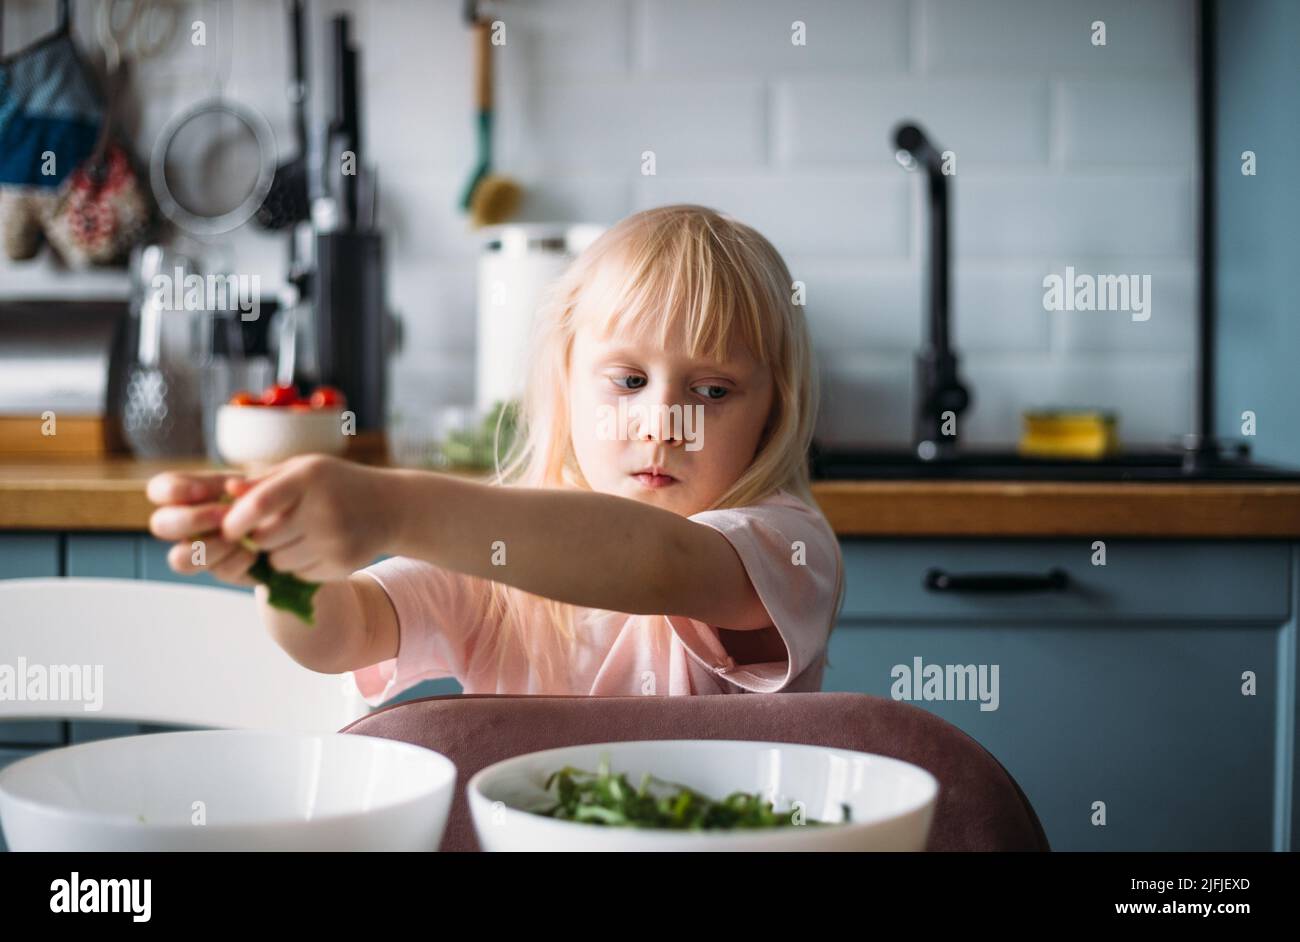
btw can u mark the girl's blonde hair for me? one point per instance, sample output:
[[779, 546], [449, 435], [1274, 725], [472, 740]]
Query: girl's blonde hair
[[680, 268]]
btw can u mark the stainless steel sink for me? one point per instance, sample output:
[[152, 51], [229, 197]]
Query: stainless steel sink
[[832, 464]]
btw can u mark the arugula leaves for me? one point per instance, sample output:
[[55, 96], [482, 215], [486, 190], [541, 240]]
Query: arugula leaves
[[604, 798], [287, 591]]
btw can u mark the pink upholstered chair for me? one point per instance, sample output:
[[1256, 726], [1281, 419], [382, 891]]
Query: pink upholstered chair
[[980, 805]]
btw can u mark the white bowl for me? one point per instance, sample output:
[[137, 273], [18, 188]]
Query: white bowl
[[262, 435], [260, 790], [891, 801]]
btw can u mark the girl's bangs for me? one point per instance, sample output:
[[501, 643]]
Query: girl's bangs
[[713, 307]]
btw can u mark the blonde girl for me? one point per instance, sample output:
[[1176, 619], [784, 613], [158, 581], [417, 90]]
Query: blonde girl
[[651, 532]]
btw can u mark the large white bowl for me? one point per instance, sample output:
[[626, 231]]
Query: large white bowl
[[260, 790], [892, 802], [264, 435]]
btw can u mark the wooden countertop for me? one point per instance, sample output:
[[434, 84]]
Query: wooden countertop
[[108, 494]]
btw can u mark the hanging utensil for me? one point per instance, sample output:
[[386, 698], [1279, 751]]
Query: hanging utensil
[[213, 164], [160, 410], [147, 30], [489, 198], [288, 202]]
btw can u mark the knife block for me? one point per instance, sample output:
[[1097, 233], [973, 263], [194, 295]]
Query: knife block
[[350, 318]]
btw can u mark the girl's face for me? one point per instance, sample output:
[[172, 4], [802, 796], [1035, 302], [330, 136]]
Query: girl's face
[[632, 406]]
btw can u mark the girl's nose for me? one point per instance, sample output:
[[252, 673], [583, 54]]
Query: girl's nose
[[666, 436], [657, 426]]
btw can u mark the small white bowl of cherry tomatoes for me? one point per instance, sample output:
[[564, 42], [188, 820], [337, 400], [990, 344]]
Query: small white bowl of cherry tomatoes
[[257, 430]]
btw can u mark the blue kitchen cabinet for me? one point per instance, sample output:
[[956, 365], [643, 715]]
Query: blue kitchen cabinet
[[102, 556], [1124, 688], [29, 556], [153, 565]]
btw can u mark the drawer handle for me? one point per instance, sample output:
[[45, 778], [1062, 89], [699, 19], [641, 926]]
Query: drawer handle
[[936, 580]]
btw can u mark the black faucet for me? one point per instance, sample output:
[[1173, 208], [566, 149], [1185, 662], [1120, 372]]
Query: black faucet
[[939, 389]]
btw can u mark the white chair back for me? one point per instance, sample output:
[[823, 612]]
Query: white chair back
[[156, 652]]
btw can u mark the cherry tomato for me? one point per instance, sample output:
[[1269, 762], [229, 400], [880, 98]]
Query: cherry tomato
[[244, 398], [299, 407], [325, 397], [279, 396]]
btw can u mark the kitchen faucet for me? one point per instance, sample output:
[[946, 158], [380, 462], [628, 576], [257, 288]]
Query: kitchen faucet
[[941, 396]]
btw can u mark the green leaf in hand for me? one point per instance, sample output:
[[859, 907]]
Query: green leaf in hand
[[287, 591]]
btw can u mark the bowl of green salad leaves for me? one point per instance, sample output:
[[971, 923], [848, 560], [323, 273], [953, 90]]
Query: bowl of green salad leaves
[[704, 795]]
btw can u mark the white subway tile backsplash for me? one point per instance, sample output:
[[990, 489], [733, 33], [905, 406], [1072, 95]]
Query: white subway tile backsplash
[[981, 120], [426, 42], [608, 126], [1171, 311], [866, 400], [437, 303], [423, 383], [1113, 122], [422, 218], [563, 37], [1149, 393], [998, 310], [689, 36], [849, 309], [1057, 36], [410, 131], [581, 198], [839, 215], [1110, 214], [1066, 154], [884, 311]]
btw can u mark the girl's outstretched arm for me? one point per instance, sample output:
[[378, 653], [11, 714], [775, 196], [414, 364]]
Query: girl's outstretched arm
[[580, 547]]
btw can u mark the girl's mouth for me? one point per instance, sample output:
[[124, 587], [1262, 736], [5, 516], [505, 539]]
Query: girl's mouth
[[654, 480]]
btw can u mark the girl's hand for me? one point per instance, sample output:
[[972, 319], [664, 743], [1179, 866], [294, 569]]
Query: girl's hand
[[191, 512], [319, 518]]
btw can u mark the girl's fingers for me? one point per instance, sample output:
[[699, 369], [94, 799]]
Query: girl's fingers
[[186, 487], [295, 557], [181, 557], [239, 486], [267, 499], [234, 568], [278, 532], [223, 560], [182, 522]]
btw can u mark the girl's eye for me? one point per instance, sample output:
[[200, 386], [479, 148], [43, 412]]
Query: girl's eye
[[630, 376], [724, 390]]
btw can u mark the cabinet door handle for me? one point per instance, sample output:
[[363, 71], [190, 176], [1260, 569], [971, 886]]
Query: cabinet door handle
[[1055, 580]]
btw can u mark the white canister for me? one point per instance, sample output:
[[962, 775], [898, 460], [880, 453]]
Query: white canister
[[516, 264]]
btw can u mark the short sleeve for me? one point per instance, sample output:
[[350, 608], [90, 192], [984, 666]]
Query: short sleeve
[[435, 618], [793, 560]]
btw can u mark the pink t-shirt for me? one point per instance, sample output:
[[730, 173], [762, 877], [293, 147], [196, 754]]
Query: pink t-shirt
[[787, 548]]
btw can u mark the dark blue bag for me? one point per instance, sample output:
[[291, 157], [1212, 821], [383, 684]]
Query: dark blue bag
[[49, 106]]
